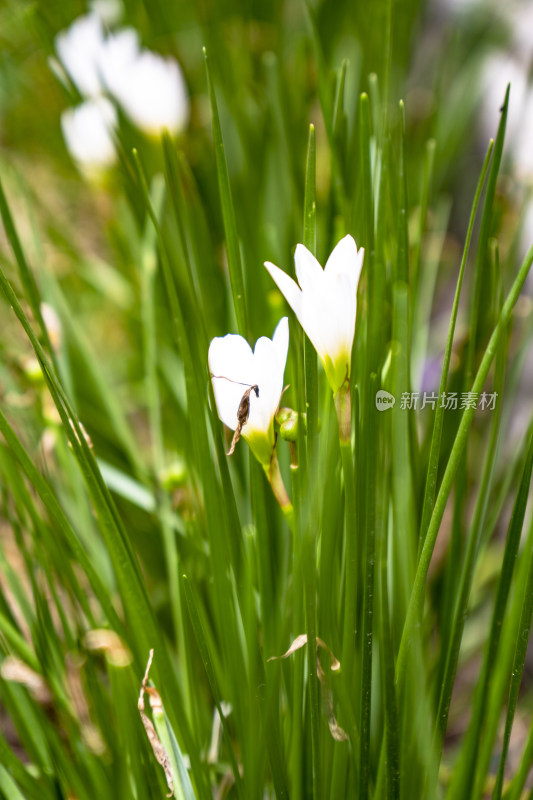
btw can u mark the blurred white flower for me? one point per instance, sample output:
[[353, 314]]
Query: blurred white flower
[[499, 70], [248, 385], [519, 18], [88, 133], [79, 49], [325, 303], [524, 141], [116, 58], [458, 6], [526, 238], [109, 11], [151, 89]]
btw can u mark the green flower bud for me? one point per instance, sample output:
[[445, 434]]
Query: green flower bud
[[173, 476]]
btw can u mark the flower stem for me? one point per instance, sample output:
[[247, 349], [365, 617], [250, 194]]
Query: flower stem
[[343, 407], [273, 473]]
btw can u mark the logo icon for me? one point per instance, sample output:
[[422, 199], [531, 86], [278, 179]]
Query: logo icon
[[384, 400]]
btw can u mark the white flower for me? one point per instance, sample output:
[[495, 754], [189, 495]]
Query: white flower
[[499, 69], [523, 155], [109, 11], [88, 133], [151, 89], [116, 58], [235, 369], [79, 49], [325, 303]]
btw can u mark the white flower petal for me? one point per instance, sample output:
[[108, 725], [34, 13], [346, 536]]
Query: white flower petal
[[152, 92], [263, 408], [88, 133], [270, 357], [342, 258], [288, 288], [117, 57], [308, 271], [79, 50], [326, 304], [280, 340], [231, 366], [235, 369]]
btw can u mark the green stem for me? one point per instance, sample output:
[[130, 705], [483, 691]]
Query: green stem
[[368, 595], [343, 407], [350, 602], [273, 473]]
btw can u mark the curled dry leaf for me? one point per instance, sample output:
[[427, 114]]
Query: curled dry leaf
[[335, 729], [338, 733], [15, 670], [110, 643], [243, 412], [300, 641], [155, 703]]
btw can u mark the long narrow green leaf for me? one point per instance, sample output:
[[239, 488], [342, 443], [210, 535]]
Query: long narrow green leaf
[[517, 672], [309, 240], [228, 213], [465, 581], [465, 773], [480, 274], [57, 515], [434, 453], [417, 596], [26, 275], [210, 672], [33, 789], [133, 590], [367, 633]]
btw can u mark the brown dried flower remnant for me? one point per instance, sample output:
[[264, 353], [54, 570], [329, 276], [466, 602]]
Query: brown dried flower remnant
[[155, 703], [327, 697], [243, 412]]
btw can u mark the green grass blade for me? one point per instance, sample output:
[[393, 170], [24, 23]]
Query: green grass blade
[[417, 596], [480, 274], [48, 497], [465, 773], [26, 275], [434, 453], [133, 590], [309, 240], [203, 647], [460, 606], [517, 671], [228, 213], [367, 632]]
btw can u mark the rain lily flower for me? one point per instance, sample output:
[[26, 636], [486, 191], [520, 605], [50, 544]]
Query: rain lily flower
[[325, 303], [109, 11], [248, 386], [88, 133], [79, 49], [116, 57], [151, 89]]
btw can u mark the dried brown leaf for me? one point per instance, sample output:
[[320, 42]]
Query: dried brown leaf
[[327, 697], [155, 702]]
